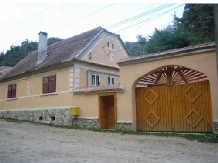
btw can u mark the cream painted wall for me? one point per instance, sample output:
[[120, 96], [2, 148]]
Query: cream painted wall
[[86, 70], [35, 98], [88, 105], [130, 74], [101, 53]]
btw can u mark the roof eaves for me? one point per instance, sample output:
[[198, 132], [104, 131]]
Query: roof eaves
[[78, 55], [169, 54]]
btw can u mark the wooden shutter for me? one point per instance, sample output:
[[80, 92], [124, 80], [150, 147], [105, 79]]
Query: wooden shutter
[[13, 90], [52, 83], [45, 85], [9, 91]]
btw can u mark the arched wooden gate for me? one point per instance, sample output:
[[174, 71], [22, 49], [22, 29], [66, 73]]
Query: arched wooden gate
[[169, 105]]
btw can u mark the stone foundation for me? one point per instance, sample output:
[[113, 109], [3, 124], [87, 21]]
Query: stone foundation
[[48, 116], [85, 122], [124, 126], [215, 127]]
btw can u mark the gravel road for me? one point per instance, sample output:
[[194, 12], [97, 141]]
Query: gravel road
[[29, 143]]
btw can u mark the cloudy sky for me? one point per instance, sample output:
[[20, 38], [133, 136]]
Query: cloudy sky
[[21, 20]]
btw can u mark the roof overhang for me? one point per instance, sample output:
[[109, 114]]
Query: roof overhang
[[169, 54]]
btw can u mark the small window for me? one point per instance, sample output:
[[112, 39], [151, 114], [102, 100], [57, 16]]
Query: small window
[[53, 118], [49, 84], [95, 80], [108, 44], [110, 80], [12, 90]]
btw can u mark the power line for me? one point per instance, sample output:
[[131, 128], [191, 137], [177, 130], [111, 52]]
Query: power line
[[148, 19]]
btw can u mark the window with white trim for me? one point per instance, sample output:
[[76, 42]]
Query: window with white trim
[[110, 80], [95, 80]]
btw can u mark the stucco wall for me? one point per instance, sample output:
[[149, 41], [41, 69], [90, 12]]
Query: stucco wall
[[130, 74], [33, 98], [101, 53]]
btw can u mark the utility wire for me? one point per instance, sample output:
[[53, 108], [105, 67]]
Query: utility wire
[[132, 19], [27, 19], [148, 19]]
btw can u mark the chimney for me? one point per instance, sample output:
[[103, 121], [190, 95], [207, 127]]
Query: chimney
[[42, 47]]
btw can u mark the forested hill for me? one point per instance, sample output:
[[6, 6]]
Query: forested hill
[[16, 53], [194, 27]]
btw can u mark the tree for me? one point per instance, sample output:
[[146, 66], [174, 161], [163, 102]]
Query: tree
[[17, 53], [198, 21]]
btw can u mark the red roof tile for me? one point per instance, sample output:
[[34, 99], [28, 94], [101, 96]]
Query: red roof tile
[[168, 52], [4, 70], [97, 89]]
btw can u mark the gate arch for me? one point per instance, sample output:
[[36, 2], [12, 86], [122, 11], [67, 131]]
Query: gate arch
[[173, 98]]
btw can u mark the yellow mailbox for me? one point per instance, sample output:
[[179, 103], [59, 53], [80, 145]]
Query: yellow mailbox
[[74, 110]]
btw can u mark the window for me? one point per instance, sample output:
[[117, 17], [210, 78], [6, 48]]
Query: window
[[110, 80], [49, 84], [12, 90], [108, 44], [95, 80], [112, 46]]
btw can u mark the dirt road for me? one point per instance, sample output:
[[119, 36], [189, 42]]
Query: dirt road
[[29, 143]]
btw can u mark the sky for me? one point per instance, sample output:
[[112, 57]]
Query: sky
[[21, 20]]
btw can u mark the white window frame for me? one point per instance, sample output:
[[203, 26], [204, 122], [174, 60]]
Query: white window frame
[[94, 82], [110, 80]]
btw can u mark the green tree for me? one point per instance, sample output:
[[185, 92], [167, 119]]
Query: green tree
[[198, 21], [17, 53]]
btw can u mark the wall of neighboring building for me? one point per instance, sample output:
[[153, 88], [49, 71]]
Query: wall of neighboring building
[[106, 50], [130, 74]]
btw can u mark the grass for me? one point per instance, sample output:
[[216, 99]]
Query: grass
[[199, 137]]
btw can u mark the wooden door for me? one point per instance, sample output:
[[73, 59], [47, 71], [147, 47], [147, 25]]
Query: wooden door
[[185, 108], [107, 110]]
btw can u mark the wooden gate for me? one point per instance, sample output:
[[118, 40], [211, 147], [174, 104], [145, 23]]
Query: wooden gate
[[185, 107]]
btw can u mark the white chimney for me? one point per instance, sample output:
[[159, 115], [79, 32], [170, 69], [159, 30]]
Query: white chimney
[[42, 47]]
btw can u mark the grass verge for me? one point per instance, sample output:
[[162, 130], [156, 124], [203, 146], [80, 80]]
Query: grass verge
[[200, 137]]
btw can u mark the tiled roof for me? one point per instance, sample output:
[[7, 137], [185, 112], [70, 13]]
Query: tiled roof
[[4, 70], [60, 52], [167, 53], [108, 88]]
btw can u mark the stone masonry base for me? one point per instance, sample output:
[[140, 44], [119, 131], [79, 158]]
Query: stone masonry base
[[215, 125], [48, 116]]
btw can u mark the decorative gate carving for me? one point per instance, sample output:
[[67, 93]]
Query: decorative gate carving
[[185, 107]]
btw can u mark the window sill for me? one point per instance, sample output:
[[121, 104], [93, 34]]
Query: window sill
[[49, 94], [10, 99]]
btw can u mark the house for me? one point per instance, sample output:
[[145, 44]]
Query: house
[[48, 82], [170, 91]]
